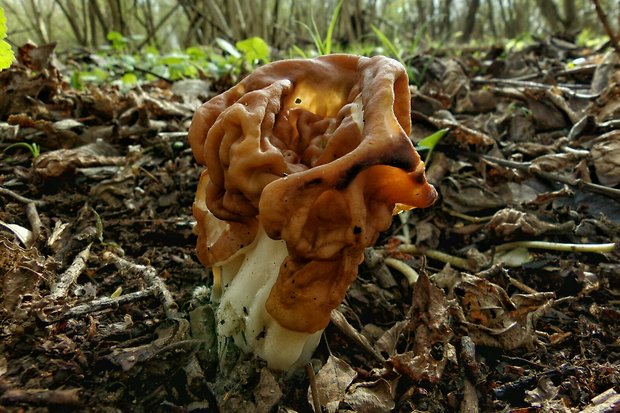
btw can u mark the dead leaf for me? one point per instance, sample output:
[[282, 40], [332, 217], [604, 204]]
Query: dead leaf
[[21, 272], [507, 221], [431, 332], [267, 393], [371, 397], [545, 397], [494, 319], [606, 158], [332, 382], [63, 161]]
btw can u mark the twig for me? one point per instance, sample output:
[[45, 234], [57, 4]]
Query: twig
[[409, 273], [18, 197], [150, 276], [530, 167], [475, 220], [35, 221], [103, 304], [557, 246], [41, 397], [67, 278], [532, 85], [315, 395], [342, 324], [437, 255], [602, 16]]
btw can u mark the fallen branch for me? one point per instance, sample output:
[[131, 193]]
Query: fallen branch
[[410, 274], [41, 397], [150, 276], [104, 304], [18, 197], [533, 85], [35, 221], [67, 278], [578, 183], [557, 246], [454, 261], [602, 16]]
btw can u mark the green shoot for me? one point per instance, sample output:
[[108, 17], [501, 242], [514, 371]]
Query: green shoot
[[330, 29], [430, 142], [34, 148], [323, 47], [396, 54]]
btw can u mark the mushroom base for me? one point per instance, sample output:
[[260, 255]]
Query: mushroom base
[[246, 281]]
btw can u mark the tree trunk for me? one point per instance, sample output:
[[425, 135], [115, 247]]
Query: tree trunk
[[570, 15], [491, 19], [470, 20], [549, 11]]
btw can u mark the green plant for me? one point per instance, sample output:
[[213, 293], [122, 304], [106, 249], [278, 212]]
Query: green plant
[[323, 46], [117, 41], [6, 53], [114, 64], [34, 148], [395, 52], [429, 143]]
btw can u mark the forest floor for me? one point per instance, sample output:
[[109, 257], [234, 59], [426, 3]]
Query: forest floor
[[99, 307]]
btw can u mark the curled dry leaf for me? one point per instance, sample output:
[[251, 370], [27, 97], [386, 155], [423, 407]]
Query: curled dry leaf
[[606, 158], [507, 221], [371, 397], [431, 332], [21, 271], [63, 161], [492, 317]]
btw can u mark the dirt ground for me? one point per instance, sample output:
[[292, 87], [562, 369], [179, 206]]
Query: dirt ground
[[516, 306]]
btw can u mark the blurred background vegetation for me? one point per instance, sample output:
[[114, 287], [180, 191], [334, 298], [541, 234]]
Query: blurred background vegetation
[[180, 38]]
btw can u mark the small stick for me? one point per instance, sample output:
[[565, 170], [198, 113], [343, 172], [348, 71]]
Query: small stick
[[409, 273], [315, 395], [67, 278], [557, 246], [150, 276], [104, 303], [437, 255], [35, 220], [41, 397], [342, 324], [529, 167], [18, 197], [602, 16], [532, 85]]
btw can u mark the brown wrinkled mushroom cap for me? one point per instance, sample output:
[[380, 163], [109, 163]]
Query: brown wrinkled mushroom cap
[[317, 152]]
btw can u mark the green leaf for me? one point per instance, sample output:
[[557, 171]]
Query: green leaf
[[129, 79], [430, 142], [254, 49], [330, 29], [226, 46], [6, 53]]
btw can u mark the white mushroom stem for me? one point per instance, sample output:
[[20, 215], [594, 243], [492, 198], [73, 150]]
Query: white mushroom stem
[[246, 282]]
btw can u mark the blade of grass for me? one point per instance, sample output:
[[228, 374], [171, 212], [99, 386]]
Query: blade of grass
[[388, 44], [330, 30]]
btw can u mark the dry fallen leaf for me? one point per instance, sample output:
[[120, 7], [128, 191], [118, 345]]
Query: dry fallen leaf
[[606, 158], [332, 382], [370, 397], [430, 328]]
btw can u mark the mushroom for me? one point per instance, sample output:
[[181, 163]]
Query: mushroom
[[306, 162]]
